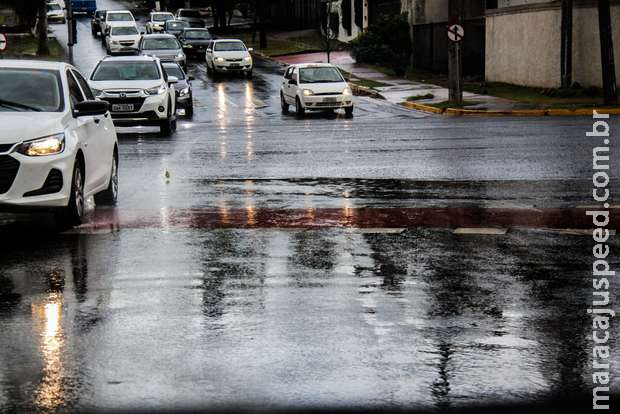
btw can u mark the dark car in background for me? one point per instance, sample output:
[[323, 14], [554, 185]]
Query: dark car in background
[[183, 88], [194, 41], [191, 16], [175, 27], [95, 22]]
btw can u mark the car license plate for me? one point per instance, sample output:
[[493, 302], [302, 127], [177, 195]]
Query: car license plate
[[122, 107], [234, 65], [330, 99]]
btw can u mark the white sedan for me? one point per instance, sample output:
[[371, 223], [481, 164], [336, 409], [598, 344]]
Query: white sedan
[[122, 39], [228, 56], [58, 145], [315, 86]]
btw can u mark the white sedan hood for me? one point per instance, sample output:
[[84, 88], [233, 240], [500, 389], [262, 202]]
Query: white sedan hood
[[22, 126]]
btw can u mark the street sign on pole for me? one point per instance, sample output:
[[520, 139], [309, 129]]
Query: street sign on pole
[[456, 33], [3, 42]]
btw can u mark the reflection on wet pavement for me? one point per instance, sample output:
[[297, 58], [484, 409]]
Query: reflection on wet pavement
[[256, 317]]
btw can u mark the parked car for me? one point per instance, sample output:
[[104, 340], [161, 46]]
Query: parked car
[[138, 90], [122, 39], [191, 16], [157, 21], [58, 145], [55, 13], [97, 21], [183, 88], [315, 86], [116, 18], [195, 41], [175, 27], [165, 46], [228, 56]]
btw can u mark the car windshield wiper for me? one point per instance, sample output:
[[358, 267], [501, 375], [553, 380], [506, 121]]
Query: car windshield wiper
[[10, 104]]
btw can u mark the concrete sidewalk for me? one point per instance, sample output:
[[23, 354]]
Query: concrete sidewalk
[[397, 90]]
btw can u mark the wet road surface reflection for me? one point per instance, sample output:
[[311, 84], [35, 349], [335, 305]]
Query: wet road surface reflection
[[301, 316]]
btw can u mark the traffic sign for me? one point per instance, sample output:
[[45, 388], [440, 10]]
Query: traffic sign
[[456, 33], [3, 42]]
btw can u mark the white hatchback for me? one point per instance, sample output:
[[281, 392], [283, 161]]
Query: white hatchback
[[58, 145], [228, 56], [315, 86], [122, 39]]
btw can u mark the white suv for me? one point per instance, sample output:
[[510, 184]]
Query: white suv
[[58, 145], [315, 86], [138, 90]]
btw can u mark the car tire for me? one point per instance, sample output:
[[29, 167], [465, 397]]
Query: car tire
[[283, 104], [299, 109], [74, 212], [209, 71], [249, 74], [168, 125], [109, 196], [93, 30], [348, 111], [189, 111]]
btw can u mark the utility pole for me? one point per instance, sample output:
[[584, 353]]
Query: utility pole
[[71, 29], [262, 34], [567, 44], [455, 70], [607, 53]]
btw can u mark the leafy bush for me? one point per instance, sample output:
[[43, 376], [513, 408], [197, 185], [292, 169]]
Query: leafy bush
[[386, 43]]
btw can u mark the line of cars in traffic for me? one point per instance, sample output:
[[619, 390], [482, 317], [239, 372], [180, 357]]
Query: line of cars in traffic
[[58, 143]]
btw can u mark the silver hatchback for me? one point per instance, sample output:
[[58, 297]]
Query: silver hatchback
[[164, 46]]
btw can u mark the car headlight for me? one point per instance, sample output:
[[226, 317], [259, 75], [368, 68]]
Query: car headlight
[[114, 42], [220, 59], [307, 92], [184, 91], [188, 46], [49, 145], [347, 91], [158, 90], [180, 56], [247, 58], [97, 92]]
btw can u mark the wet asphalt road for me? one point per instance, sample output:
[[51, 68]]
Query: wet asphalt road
[[309, 263]]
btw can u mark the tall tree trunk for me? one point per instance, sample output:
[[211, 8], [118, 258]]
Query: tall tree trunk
[[41, 29]]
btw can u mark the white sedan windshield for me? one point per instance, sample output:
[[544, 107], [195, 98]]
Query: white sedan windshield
[[30, 90]]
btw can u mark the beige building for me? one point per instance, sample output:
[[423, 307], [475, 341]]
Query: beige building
[[523, 43]]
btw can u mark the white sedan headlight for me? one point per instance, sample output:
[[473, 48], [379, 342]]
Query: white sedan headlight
[[248, 58], [97, 92], [184, 91], [180, 56], [307, 92], [49, 145], [347, 91], [220, 59]]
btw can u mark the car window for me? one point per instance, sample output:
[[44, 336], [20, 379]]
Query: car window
[[126, 71], [289, 73], [160, 43], [119, 17], [30, 90], [75, 93], [88, 93], [161, 17], [197, 34], [124, 31], [174, 70], [229, 47], [320, 75], [53, 7], [294, 74]]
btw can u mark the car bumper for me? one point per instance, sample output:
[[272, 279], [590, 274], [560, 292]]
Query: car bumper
[[225, 67], [148, 111], [30, 184], [327, 102], [123, 49]]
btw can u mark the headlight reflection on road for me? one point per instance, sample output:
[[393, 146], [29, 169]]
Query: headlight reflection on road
[[50, 393]]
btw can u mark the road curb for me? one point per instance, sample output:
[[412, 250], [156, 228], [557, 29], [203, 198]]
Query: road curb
[[422, 107], [359, 90], [513, 112]]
